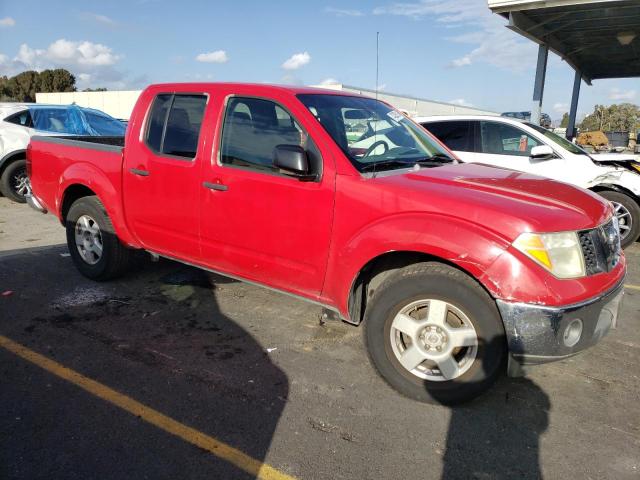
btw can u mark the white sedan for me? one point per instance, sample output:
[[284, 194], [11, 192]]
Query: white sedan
[[518, 145], [20, 121]]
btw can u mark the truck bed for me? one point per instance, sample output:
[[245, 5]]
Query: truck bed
[[55, 163]]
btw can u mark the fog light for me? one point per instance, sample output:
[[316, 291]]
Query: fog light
[[573, 332]]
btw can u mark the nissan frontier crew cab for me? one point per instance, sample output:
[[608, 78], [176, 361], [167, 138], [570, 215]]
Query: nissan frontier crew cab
[[457, 271]]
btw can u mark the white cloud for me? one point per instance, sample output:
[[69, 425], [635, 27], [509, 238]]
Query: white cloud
[[218, 56], [341, 12], [491, 42], [96, 17], [296, 61], [7, 22], [88, 61], [461, 101], [560, 108], [329, 81], [617, 94], [460, 62]]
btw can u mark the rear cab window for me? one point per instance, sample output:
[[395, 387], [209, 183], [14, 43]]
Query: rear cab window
[[174, 124]]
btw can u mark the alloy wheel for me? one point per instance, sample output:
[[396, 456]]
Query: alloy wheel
[[433, 340]]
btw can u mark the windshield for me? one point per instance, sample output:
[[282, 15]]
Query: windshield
[[373, 135], [73, 120], [557, 139]]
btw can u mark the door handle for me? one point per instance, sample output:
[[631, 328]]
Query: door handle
[[142, 173], [215, 186]]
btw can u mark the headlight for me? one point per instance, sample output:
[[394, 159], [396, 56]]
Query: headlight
[[636, 166], [560, 253]]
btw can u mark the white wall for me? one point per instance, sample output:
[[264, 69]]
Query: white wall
[[415, 107], [118, 104]]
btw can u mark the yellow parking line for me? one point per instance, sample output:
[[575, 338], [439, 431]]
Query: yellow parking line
[[188, 434], [632, 287]]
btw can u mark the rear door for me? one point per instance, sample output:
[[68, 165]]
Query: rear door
[[257, 222], [458, 135], [161, 177]]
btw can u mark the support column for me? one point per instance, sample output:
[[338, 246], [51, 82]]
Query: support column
[[538, 86], [571, 127]]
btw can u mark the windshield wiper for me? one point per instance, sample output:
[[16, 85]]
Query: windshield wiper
[[435, 157], [433, 161], [386, 164]]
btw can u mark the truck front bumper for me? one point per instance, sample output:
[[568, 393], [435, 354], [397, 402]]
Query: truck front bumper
[[538, 334]]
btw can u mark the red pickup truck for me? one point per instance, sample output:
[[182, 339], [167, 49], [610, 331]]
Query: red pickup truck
[[456, 270]]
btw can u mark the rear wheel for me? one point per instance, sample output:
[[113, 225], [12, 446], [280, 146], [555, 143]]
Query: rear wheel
[[434, 334], [628, 213], [94, 247], [14, 182]]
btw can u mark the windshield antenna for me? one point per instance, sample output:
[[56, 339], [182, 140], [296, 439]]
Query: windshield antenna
[[375, 127]]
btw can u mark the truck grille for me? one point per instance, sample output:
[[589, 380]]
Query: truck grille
[[601, 247]]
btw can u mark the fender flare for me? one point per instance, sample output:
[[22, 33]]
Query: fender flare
[[92, 178], [467, 245], [10, 155]]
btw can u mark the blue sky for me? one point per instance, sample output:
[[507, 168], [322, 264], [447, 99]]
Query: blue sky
[[439, 49]]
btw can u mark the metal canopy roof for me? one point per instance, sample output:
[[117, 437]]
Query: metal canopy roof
[[584, 33]]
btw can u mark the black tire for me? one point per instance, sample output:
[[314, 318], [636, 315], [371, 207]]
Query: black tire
[[631, 205], [439, 282], [115, 256], [11, 180]]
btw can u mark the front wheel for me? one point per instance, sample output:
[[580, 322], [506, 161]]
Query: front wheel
[[434, 334], [94, 247], [14, 182], [628, 213]]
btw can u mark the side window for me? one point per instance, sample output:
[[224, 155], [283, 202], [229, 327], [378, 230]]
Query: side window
[[252, 129], [157, 118], [502, 139], [174, 124], [456, 135], [21, 118]]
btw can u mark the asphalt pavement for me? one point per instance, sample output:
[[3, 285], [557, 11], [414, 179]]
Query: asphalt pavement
[[171, 372]]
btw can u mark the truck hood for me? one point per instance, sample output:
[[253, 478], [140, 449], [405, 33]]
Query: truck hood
[[506, 201]]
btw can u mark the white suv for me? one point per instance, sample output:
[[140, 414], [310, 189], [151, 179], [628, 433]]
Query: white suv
[[20, 121], [518, 145]]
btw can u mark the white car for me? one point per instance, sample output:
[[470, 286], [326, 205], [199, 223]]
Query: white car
[[519, 145], [20, 121]]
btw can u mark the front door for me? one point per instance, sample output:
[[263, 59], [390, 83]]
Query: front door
[[161, 177], [257, 222], [508, 146]]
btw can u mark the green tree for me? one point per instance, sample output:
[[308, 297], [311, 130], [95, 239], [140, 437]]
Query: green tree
[[564, 123], [4, 90], [99, 89], [622, 117], [23, 87], [58, 80]]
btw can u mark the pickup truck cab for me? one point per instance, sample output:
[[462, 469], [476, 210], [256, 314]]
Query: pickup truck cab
[[510, 143], [455, 270]]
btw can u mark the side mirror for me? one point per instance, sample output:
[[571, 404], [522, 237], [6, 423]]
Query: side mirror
[[292, 160], [541, 152]]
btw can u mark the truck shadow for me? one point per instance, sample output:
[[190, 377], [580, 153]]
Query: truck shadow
[[159, 335], [497, 436]]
